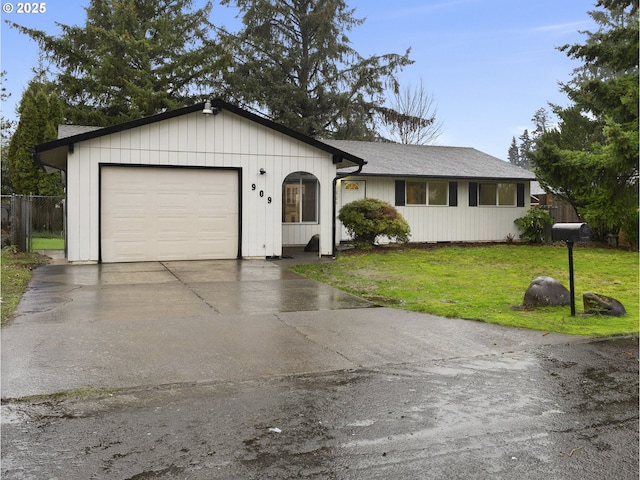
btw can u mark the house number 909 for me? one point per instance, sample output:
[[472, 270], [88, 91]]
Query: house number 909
[[261, 193]]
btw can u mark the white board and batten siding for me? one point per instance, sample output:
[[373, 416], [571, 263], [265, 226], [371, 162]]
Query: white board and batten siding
[[212, 146], [461, 223]]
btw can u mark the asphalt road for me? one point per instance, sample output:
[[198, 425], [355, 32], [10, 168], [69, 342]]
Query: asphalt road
[[555, 412]]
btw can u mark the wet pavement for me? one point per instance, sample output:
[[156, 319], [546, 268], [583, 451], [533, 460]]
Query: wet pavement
[[126, 325], [200, 370]]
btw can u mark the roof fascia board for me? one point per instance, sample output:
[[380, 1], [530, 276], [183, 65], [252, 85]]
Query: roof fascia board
[[455, 177]]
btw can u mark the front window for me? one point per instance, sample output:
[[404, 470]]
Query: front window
[[507, 194], [438, 193], [487, 194], [497, 194], [300, 198], [427, 193], [416, 193]]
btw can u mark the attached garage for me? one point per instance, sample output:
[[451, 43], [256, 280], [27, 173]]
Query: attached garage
[[157, 214], [191, 184]]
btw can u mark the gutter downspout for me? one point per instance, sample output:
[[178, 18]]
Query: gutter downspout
[[335, 200]]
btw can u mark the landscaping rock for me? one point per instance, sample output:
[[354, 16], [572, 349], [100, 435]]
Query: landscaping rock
[[314, 244], [546, 291], [602, 305]]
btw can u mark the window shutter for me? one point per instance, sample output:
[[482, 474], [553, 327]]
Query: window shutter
[[520, 195], [473, 194], [453, 194], [400, 189]]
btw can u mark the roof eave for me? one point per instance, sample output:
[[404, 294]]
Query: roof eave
[[52, 160], [454, 177]]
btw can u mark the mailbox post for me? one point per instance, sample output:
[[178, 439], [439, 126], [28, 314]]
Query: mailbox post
[[570, 233]]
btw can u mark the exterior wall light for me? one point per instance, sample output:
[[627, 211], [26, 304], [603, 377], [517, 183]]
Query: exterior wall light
[[209, 110]]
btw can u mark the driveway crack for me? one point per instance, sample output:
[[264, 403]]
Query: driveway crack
[[308, 338], [212, 307]]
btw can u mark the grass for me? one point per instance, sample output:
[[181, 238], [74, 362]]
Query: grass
[[487, 283], [77, 394], [15, 276], [38, 243]]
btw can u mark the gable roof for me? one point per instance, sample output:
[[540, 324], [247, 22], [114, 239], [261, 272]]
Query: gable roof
[[54, 153], [394, 159]]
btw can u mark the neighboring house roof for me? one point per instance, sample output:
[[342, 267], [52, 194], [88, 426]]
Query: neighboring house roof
[[536, 189], [54, 153], [394, 159]]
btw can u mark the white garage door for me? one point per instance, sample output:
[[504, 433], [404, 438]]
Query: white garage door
[[151, 214]]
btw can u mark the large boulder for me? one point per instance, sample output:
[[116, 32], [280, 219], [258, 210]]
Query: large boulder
[[546, 291], [602, 305]]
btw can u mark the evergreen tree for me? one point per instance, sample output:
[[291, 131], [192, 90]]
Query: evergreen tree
[[132, 58], [591, 158], [294, 62], [514, 152], [5, 134], [520, 154], [541, 121], [525, 149], [40, 114]]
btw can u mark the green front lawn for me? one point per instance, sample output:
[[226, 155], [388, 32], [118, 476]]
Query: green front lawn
[[488, 283]]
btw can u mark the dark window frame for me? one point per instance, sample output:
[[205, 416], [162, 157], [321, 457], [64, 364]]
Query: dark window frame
[[475, 194], [402, 197], [303, 209]]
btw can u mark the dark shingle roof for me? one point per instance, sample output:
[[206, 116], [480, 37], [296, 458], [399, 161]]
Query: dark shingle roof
[[65, 131], [429, 161]]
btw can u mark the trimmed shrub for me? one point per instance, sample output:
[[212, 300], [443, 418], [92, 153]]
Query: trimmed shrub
[[369, 218], [532, 226]]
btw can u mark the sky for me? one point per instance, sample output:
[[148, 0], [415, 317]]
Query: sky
[[489, 64]]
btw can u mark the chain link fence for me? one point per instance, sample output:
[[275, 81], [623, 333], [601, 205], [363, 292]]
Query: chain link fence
[[33, 222]]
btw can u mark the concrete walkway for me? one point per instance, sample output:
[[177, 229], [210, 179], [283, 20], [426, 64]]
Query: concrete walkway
[[144, 324]]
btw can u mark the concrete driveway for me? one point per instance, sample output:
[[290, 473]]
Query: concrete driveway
[[241, 369], [144, 324]]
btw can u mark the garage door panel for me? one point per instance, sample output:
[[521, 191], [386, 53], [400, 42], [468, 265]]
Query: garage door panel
[[131, 227], [150, 213], [216, 224], [176, 225], [120, 199], [129, 250], [173, 250], [174, 202], [208, 248]]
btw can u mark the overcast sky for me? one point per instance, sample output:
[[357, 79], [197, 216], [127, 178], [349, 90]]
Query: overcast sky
[[489, 64]]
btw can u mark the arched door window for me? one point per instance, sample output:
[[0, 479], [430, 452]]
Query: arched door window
[[300, 199]]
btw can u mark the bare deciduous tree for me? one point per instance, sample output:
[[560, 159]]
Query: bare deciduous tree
[[411, 118]]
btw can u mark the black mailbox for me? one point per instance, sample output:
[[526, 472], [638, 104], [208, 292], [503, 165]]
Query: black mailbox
[[570, 232]]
